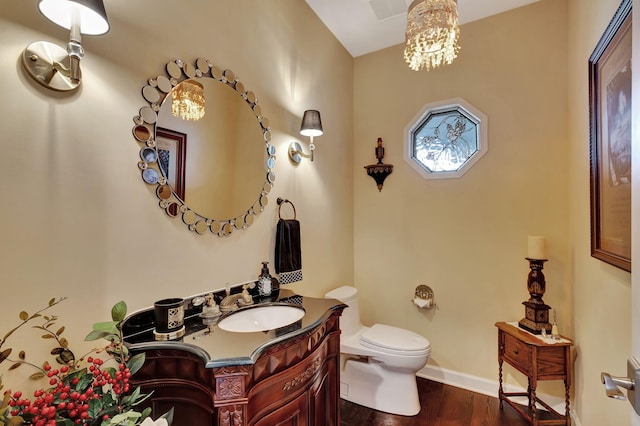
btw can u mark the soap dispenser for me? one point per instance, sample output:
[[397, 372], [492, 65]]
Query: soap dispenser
[[264, 280], [268, 286]]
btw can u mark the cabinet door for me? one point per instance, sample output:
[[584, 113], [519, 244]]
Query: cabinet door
[[190, 406], [177, 379], [294, 413], [324, 408]]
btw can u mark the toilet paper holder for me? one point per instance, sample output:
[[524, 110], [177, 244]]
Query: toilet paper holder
[[423, 297]]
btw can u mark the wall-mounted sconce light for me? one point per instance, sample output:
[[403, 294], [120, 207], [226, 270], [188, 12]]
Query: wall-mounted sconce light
[[53, 66], [311, 126]]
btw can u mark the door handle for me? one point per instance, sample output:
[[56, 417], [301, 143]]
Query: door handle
[[613, 384]]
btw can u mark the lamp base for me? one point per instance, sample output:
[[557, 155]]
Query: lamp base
[[296, 154], [49, 65], [536, 318]]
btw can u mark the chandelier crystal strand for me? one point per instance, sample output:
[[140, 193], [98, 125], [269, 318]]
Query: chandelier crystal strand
[[432, 34], [188, 100]]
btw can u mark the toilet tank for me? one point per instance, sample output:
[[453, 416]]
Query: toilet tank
[[350, 319]]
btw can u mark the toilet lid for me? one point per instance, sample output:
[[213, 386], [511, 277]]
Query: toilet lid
[[344, 294], [394, 338]]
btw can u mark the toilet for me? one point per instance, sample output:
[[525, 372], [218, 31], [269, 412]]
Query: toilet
[[378, 364]]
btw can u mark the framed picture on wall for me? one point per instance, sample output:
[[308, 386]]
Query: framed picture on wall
[[172, 150], [610, 141]]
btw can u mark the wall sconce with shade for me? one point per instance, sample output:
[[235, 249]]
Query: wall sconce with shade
[[311, 126], [53, 66], [432, 34]]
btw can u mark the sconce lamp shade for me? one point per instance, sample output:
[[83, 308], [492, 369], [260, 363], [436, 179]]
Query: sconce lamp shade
[[92, 14], [311, 123]]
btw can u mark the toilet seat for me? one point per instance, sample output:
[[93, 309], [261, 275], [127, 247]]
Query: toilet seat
[[394, 340]]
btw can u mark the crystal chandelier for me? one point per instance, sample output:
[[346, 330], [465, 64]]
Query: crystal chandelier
[[188, 100], [432, 33]]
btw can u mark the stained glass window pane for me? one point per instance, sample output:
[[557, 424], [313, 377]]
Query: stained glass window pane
[[445, 139]]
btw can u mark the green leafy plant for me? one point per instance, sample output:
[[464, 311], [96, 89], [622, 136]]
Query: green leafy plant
[[91, 390]]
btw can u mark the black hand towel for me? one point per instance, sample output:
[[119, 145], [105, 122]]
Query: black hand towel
[[288, 255]]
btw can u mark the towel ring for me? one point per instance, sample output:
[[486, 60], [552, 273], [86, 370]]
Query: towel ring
[[282, 201]]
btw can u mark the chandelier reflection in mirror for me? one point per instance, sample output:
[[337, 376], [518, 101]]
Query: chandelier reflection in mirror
[[446, 139], [432, 34], [158, 90], [188, 100]]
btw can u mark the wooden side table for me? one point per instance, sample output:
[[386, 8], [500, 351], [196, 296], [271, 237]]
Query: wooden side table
[[537, 360]]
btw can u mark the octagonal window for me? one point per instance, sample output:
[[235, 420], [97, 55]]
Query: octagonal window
[[446, 139]]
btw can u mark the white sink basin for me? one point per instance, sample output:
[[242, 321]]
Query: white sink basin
[[261, 318]]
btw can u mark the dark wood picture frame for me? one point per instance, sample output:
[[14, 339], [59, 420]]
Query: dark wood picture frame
[[172, 151], [610, 141]]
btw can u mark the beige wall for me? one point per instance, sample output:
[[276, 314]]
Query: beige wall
[[467, 237], [78, 220], [602, 292]]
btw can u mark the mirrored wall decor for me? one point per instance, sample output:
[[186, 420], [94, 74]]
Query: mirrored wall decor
[[205, 147]]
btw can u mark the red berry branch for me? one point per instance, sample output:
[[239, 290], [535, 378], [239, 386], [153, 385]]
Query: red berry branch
[[93, 390]]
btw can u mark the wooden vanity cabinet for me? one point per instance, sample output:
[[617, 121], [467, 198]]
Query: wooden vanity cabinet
[[294, 382]]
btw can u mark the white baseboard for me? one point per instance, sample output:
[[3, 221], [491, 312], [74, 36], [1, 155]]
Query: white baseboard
[[486, 387]]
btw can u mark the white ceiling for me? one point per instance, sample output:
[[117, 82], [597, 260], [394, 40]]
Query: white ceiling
[[356, 23]]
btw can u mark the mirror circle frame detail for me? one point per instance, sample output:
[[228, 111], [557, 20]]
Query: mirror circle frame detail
[[445, 139], [144, 131]]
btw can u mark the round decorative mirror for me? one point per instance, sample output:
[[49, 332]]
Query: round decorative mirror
[[205, 147]]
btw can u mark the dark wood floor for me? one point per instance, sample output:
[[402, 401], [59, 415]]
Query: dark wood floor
[[442, 405]]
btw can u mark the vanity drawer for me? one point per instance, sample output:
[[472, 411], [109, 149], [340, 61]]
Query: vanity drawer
[[518, 354], [287, 385]]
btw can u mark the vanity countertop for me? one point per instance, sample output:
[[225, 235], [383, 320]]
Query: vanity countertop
[[218, 347]]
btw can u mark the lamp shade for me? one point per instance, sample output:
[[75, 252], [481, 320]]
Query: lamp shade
[[92, 15], [311, 123]]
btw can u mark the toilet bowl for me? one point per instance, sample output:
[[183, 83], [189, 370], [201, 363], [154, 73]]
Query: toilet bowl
[[378, 364]]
